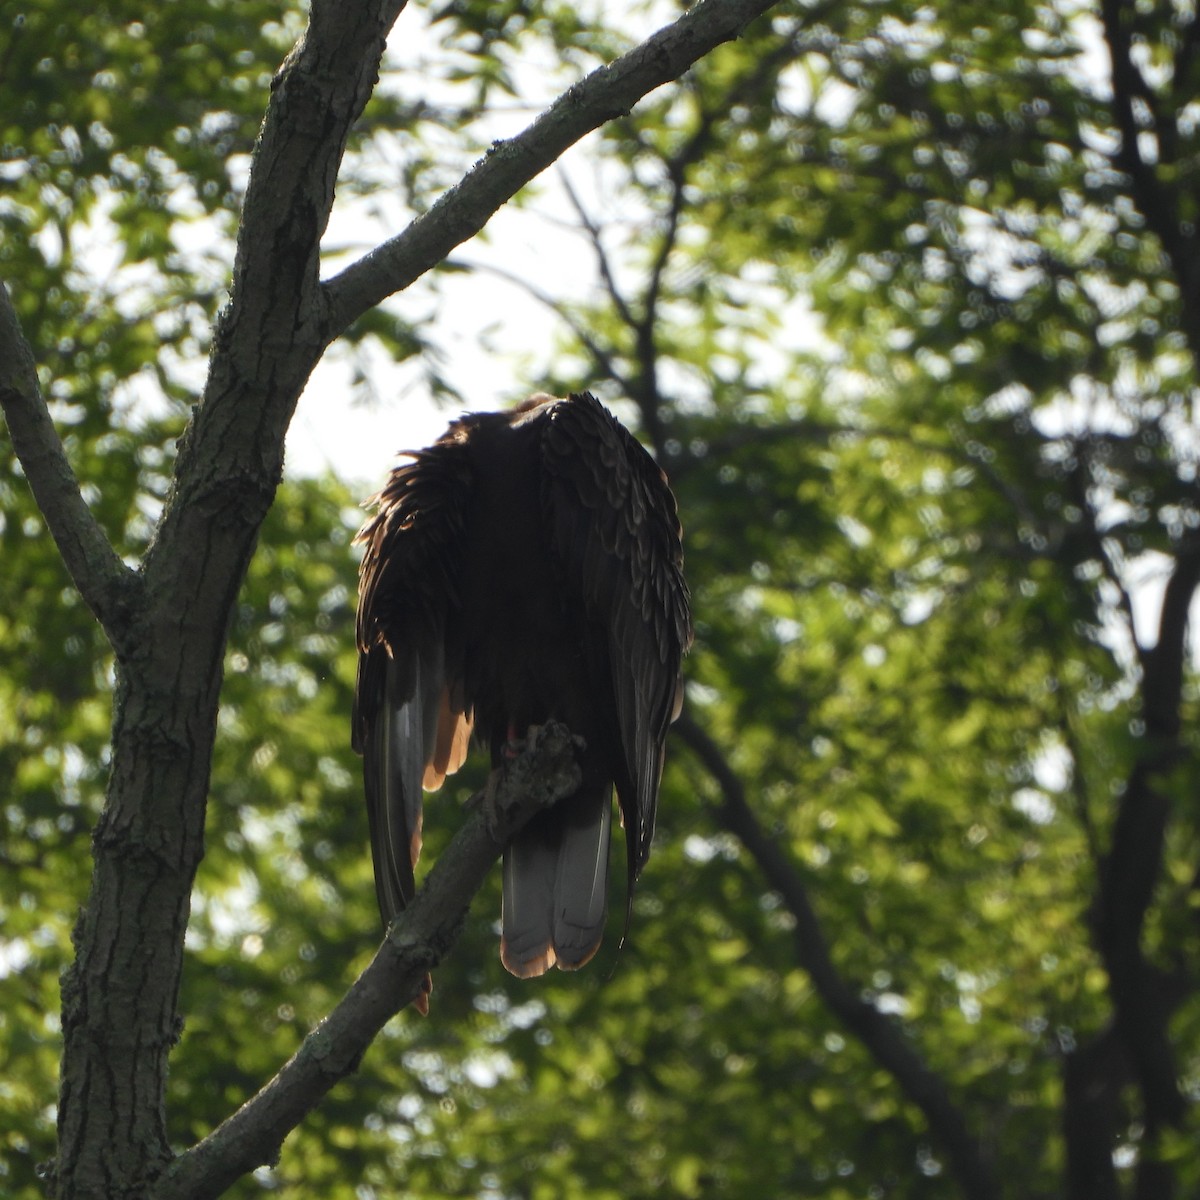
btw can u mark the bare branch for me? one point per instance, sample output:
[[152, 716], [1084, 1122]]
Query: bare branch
[[107, 585], [648, 397], [748, 89], [596, 241], [462, 212], [604, 361], [688, 155], [418, 940], [879, 1035], [642, 388], [1105, 550]]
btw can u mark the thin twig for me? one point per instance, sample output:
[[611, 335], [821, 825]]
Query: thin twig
[[604, 361], [596, 241]]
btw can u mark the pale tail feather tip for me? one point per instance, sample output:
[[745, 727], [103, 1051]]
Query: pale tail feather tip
[[528, 966]]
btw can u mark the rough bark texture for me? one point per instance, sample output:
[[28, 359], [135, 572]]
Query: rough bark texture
[[119, 997], [106, 584]]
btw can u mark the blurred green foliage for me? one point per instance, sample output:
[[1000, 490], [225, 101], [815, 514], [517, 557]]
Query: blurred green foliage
[[920, 373]]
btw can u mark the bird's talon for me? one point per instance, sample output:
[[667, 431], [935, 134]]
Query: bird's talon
[[421, 1000], [515, 745]]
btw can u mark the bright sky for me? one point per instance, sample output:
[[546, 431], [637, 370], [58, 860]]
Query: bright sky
[[492, 333]]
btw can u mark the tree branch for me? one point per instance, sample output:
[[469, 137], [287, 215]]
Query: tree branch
[[642, 387], [603, 360], [1132, 870], [122, 990], [1156, 199], [1102, 548], [1093, 1076], [595, 239], [881, 1038], [107, 585], [420, 937], [463, 211]]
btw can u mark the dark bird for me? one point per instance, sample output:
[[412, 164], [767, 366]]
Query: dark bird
[[525, 567]]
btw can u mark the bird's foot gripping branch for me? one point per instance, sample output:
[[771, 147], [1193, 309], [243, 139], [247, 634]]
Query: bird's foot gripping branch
[[539, 768]]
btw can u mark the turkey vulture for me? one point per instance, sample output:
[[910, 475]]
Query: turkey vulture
[[525, 567]]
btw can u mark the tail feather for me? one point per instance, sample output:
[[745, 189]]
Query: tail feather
[[581, 888], [527, 941], [396, 748], [556, 887]]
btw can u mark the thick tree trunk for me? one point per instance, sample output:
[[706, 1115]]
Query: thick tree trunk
[[120, 1018]]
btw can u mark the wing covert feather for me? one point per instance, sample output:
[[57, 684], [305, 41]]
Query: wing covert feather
[[615, 530]]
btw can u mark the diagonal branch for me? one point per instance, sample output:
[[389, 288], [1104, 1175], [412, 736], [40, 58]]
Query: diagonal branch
[[418, 940], [463, 211], [880, 1036], [595, 239], [107, 585], [604, 361]]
